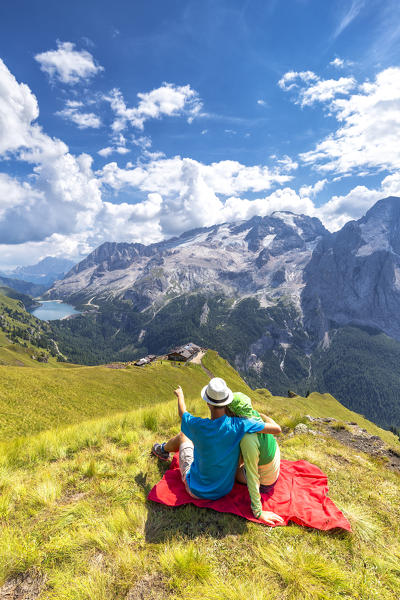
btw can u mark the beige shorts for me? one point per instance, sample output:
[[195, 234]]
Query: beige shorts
[[186, 456]]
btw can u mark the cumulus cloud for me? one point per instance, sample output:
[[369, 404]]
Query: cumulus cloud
[[326, 89], [337, 62], [84, 120], [63, 199], [341, 63], [236, 209], [311, 191], [167, 100], [62, 195], [18, 108], [353, 205], [309, 88], [166, 175], [64, 208], [368, 132], [341, 209], [68, 65], [291, 79], [111, 149]]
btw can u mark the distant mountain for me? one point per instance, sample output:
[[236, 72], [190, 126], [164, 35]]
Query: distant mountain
[[290, 304], [264, 258], [353, 276], [23, 287], [45, 272]]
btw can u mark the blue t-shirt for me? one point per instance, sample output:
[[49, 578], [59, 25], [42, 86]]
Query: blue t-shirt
[[216, 452]]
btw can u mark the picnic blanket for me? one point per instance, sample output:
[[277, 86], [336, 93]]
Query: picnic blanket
[[299, 495]]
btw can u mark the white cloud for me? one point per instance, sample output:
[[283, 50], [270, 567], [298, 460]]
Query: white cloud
[[111, 150], [64, 197], [15, 194], [353, 205], [326, 89], [167, 100], [261, 102], [369, 129], [311, 191], [288, 81], [337, 62], [348, 17], [144, 142], [106, 151], [236, 209], [67, 64], [341, 209], [310, 88], [18, 108], [165, 176], [83, 120], [63, 208]]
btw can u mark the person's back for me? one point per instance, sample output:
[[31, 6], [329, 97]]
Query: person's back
[[260, 453], [216, 452], [209, 448]]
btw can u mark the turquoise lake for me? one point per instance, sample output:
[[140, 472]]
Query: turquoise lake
[[50, 310]]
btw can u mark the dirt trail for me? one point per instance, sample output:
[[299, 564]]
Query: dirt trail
[[89, 303], [197, 360]]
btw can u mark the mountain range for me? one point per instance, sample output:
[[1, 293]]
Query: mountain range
[[43, 273], [280, 296]]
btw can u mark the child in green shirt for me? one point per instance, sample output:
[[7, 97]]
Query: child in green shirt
[[261, 456]]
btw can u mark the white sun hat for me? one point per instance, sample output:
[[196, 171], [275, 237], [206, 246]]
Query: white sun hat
[[217, 392]]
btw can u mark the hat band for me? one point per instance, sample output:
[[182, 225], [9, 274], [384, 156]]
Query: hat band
[[217, 401]]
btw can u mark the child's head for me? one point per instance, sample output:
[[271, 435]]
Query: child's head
[[241, 406]]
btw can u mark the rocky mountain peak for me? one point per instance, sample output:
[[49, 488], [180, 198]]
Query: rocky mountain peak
[[354, 274], [260, 256]]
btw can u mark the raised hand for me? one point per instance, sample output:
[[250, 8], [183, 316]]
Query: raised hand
[[178, 392]]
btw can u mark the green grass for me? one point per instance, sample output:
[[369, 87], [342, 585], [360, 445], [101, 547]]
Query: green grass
[[22, 335], [290, 411], [73, 506], [33, 399], [73, 499]]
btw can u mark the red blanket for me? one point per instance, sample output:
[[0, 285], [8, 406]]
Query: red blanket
[[299, 495]]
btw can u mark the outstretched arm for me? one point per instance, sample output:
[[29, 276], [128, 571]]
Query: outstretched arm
[[270, 426], [181, 401]]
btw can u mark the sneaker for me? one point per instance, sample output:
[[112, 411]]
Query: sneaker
[[158, 450]]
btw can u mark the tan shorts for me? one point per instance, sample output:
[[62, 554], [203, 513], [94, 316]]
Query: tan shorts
[[186, 456]]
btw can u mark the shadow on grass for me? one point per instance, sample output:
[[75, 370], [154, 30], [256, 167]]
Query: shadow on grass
[[165, 523]]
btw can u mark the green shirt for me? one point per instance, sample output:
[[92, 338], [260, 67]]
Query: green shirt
[[257, 449]]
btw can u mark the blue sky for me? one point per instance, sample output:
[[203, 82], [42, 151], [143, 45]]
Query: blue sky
[[135, 121]]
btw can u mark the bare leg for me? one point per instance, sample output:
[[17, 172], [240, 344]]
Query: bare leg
[[173, 444]]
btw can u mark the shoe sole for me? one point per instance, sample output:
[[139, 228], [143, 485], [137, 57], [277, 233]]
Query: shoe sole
[[159, 457]]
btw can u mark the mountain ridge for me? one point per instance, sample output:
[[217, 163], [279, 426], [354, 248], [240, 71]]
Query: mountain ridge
[[279, 296]]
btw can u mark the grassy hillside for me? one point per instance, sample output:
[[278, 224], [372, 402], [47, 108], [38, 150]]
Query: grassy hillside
[[38, 399], [358, 366], [21, 334], [292, 410], [75, 519]]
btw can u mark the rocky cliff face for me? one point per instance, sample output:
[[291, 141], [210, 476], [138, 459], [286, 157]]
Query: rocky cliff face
[[349, 277], [264, 257], [353, 276]]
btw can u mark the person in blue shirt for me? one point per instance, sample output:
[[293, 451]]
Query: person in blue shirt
[[209, 449]]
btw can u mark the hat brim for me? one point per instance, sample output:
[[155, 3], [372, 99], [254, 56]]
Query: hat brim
[[209, 401]]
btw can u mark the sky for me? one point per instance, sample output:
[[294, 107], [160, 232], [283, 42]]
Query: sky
[[136, 121]]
